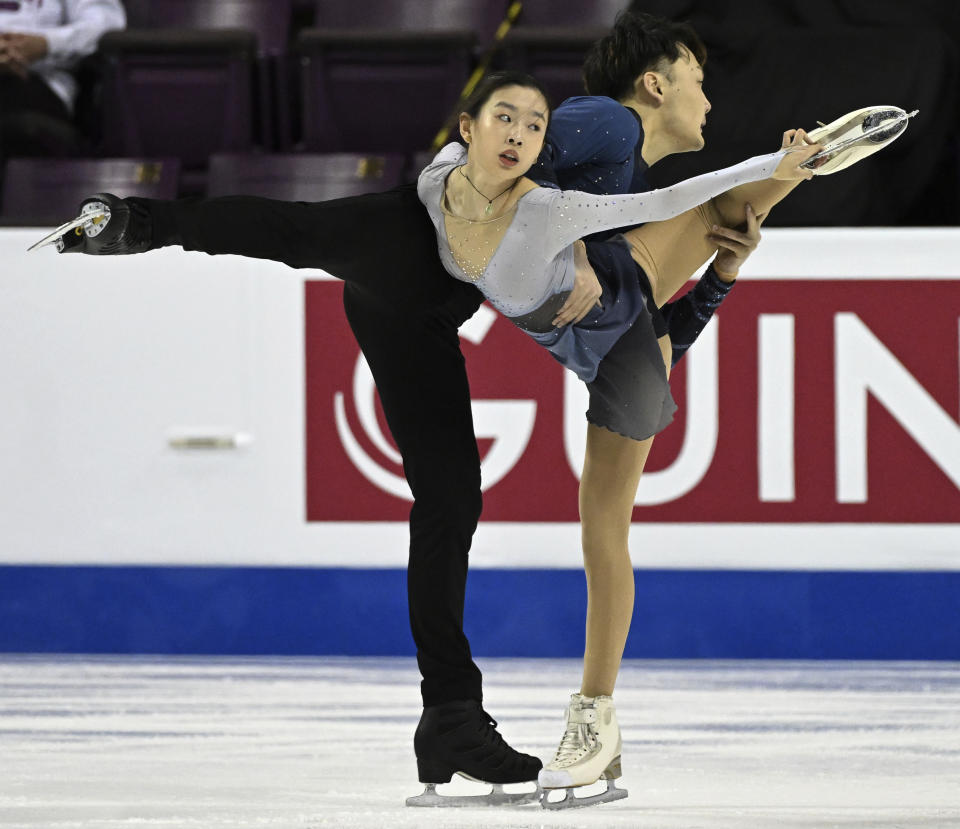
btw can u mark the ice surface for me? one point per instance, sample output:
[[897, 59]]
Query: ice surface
[[158, 743]]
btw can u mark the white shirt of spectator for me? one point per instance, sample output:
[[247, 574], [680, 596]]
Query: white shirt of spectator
[[72, 29]]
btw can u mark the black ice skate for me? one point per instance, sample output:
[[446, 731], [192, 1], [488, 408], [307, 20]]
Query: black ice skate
[[461, 738], [107, 225]]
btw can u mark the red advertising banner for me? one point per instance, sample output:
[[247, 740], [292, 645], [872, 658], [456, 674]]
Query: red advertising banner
[[805, 401]]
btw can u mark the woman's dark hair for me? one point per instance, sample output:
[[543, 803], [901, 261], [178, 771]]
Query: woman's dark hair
[[638, 42], [489, 84]]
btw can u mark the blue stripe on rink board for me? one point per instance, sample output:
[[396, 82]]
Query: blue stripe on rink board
[[288, 611]]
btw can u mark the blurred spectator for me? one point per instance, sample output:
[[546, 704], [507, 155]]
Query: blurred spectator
[[41, 42]]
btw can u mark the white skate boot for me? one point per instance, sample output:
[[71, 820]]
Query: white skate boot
[[854, 136], [589, 751]]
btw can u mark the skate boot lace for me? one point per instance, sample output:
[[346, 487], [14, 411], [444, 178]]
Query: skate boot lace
[[579, 739], [489, 729]]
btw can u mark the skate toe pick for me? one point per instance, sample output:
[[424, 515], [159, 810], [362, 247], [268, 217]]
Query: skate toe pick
[[555, 778]]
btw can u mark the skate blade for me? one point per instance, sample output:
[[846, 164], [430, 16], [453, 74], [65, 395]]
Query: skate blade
[[571, 801], [832, 150], [84, 221], [496, 797]]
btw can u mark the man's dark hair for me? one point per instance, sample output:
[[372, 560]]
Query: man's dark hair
[[637, 43]]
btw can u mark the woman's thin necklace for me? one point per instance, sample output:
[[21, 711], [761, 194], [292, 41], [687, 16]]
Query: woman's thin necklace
[[489, 208]]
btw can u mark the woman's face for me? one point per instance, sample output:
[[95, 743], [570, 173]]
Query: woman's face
[[507, 135]]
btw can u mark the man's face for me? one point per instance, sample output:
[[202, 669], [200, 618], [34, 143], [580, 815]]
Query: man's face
[[685, 107]]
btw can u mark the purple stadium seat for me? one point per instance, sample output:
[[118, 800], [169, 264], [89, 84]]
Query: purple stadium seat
[[385, 75], [48, 192], [479, 16], [217, 64], [597, 14], [178, 92], [269, 20], [550, 39], [303, 177]]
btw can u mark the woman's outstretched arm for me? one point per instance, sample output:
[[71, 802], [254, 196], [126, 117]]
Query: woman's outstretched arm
[[575, 214]]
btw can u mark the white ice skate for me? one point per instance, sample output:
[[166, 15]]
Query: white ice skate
[[589, 751], [854, 136]]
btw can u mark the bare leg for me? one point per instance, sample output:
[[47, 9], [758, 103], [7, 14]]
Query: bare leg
[[761, 194], [671, 251], [611, 473]]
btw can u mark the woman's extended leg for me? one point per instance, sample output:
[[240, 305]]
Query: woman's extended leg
[[670, 252], [728, 207]]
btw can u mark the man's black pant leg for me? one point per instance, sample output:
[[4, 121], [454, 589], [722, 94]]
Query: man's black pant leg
[[416, 361]]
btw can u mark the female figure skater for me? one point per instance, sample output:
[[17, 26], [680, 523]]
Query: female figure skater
[[517, 242], [404, 310]]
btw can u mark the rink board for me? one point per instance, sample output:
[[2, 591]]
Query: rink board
[[718, 614], [805, 503]]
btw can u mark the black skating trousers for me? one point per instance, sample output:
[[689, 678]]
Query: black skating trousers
[[404, 310]]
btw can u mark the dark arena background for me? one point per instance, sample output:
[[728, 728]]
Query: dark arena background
[[203, 515]]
